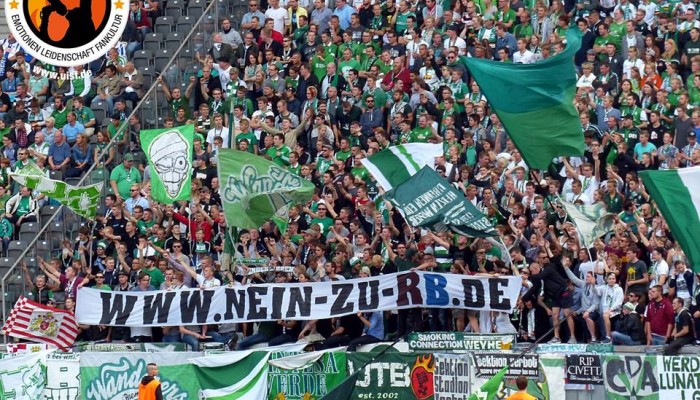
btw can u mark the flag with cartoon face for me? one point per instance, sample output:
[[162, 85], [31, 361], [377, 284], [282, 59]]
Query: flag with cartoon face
[[169, 153], [83, 200]]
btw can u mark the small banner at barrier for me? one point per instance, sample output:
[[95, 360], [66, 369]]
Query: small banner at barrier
[[296, 301], [631, 377], [679, 377], [23, 377], [488, 364], [451, 377], [597, 348], [584, 369], [313, 380], [397, 375], [441, 341]]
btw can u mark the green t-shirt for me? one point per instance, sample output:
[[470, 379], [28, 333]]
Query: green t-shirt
[[23, 207], [324, 223], [318, 66], [61, 117], [420, 135], [157, 277], [279, 156], [125, 179], [252, 140], [342, 155], [346, 66]]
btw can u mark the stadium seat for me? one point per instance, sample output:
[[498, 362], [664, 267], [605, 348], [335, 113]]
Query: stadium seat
[[147, 114], [173, 41], [43, 249], [147, 73], [164, 25], [46, 212], [100, 109], [56, 175], [98, 175], [152, 42], [142, 59], [195, 9], [5, 264], [174, 8], [161, 59], [15, 249], [184, 24], [29, 231]]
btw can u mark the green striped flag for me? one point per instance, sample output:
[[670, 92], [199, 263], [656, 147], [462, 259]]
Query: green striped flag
[[234, 375], [169, 154], [393, 166], [255, 190], [677, 195], [535, 103], [592, 221], [83, 200]]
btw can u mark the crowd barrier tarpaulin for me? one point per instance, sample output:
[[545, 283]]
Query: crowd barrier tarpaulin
[[297, 301], [631, 376], [311, 380], [456, 341], [23, 376], [106, 376], [679, 377]]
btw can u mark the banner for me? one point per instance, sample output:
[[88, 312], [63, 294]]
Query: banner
[[82, 200], [262, 270], [296, 301], [255, 190], [459, 341], [452, 376], [312, 381], [429, 201], [106, 376], [233, 375], [584, 369], [143, 347], [678, 377], [631, 377], [62, 376], [488, 364], [597, 348], [169, 153], [396, 375], [23, 377]]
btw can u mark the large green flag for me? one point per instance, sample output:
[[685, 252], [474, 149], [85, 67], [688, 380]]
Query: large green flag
[[83, 200], [535, 103], [429, 201], [169, 153], [255, 190], [677, 194], [234, 375]]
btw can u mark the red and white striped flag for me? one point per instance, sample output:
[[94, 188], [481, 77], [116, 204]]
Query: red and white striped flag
[[36, 322]]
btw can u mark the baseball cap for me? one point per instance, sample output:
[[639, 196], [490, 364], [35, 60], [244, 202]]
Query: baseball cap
[[591, 51], [691, 134], [629, 306], [102, 244], [129, 157], [365, 270]]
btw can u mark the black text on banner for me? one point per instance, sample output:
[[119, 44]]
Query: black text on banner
[[296, 301]]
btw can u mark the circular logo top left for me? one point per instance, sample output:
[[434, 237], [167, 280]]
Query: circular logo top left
[[67, 32]]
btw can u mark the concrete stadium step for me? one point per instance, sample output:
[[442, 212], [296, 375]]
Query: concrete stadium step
[[4, 29]]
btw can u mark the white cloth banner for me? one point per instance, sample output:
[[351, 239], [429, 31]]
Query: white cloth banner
[[297, 301]]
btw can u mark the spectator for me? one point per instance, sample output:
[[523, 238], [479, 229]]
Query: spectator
[[630, 330], [683, 330]]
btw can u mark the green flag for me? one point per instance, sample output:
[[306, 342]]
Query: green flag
[[490, 388], [345, 390], [429, 201], [234, 375], [83, 200], [677, 194], [394, 165], [592, 221], [169, 153], [255, 190], [534, 102]]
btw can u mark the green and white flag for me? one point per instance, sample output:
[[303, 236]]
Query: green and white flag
[[169, 153], [592, 221], [677, 195], [23, 377], [255, 190], [83, 200], [429, 201], [393, 166], [234, 375]]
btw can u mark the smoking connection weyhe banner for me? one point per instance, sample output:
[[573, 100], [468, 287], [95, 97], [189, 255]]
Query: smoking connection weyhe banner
[[293, 301]]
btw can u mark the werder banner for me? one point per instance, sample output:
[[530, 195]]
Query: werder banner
[[679, 377], [631, 377], [459, 341], [169, 153], [396, 376], [107, 376], [296, 301], [429, 201], [254, 190], [584, 369], [488, 364], [312, 381]]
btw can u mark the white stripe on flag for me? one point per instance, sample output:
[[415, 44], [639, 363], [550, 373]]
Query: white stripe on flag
[[690, 176]]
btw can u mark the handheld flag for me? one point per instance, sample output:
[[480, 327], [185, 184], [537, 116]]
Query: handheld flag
[[490, 387], [677, 194], [393, 166], [255, 190], [534, 102], [83, 200], [169, 153], [592, 221], [249, 367], [36, 322]]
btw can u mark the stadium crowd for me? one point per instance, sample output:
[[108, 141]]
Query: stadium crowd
[[316, 88]]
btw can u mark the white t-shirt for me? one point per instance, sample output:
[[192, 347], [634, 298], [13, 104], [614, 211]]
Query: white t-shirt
[[214, 132], [524, 58], [279, 15], [207, 283]]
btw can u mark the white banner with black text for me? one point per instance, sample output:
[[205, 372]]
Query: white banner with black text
[[296, 301]]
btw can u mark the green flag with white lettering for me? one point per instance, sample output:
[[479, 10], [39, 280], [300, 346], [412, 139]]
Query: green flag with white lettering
[[83, 200], [429, 201], [255, 190], [169, 153]]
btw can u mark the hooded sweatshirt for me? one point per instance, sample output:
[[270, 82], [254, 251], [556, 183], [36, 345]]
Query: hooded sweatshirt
[[149, 389]]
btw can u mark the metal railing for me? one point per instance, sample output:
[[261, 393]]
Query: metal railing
[[175, 72]]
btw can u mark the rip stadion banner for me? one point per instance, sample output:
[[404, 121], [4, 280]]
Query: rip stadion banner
[[296, 301]]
